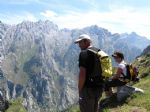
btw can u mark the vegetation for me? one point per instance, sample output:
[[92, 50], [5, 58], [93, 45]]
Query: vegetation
[[16, 106], [136, 102]]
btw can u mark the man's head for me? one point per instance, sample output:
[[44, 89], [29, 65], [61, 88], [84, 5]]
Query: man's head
[[118, 56], [84, 41]]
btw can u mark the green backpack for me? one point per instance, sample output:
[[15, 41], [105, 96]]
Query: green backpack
[[105, 62]]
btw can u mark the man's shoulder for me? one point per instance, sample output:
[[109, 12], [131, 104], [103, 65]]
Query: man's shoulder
[[84, 53]]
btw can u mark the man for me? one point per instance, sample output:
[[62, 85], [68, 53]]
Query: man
[[117, 79], [89, 93]]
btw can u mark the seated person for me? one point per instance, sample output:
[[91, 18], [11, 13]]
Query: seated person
[[115, 80]]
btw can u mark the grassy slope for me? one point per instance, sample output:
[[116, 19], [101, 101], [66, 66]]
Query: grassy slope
[[137, 102], [16, 106]]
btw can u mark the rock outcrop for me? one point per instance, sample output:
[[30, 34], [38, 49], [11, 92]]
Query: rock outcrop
[[41, 61]]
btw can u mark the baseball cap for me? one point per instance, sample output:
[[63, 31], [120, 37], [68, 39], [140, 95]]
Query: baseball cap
[[82, 37]]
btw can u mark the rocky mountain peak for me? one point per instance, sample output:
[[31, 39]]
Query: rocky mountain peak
[[96, 30], [41, 61]]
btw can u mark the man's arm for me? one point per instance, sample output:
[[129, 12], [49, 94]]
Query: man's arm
[[82, 78]]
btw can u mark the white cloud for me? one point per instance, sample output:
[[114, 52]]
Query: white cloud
[[15, 19], [120, 20], [48, 13], [116, 20]]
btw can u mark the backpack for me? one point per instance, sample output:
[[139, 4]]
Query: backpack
[[104, 63], [131, 74]]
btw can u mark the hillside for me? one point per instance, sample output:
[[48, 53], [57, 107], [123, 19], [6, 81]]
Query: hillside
[[137, 102], [16, 106], [41, 61]]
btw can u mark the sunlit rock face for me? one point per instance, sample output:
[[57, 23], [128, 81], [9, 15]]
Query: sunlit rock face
[[41, 61]]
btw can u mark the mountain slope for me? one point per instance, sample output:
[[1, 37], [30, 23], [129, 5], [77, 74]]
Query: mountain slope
[[134, 40], [40, 61], [143, 62]]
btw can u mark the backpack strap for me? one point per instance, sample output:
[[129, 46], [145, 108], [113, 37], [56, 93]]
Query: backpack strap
[[98, 52], [127, 77], [94, 50]]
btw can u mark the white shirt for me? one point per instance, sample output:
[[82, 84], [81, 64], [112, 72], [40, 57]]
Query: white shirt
[[122, 66]]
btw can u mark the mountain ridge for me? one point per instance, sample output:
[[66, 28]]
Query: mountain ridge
[[67, 29], [41, 60]]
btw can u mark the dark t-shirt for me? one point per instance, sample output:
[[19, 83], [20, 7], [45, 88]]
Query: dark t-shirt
[[87, 60]]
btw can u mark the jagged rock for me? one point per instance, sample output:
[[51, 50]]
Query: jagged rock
[[41, 61], [125, 91]]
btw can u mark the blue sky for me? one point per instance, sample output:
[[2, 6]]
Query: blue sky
[[115, 15]]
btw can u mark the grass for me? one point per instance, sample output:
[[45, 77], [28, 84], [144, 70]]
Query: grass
[[16, 106], [74, 108], [137, 102]]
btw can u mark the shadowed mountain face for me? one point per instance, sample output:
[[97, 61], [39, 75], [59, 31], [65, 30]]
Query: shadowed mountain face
[[41, 61], [146, 51], [143, 62]]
